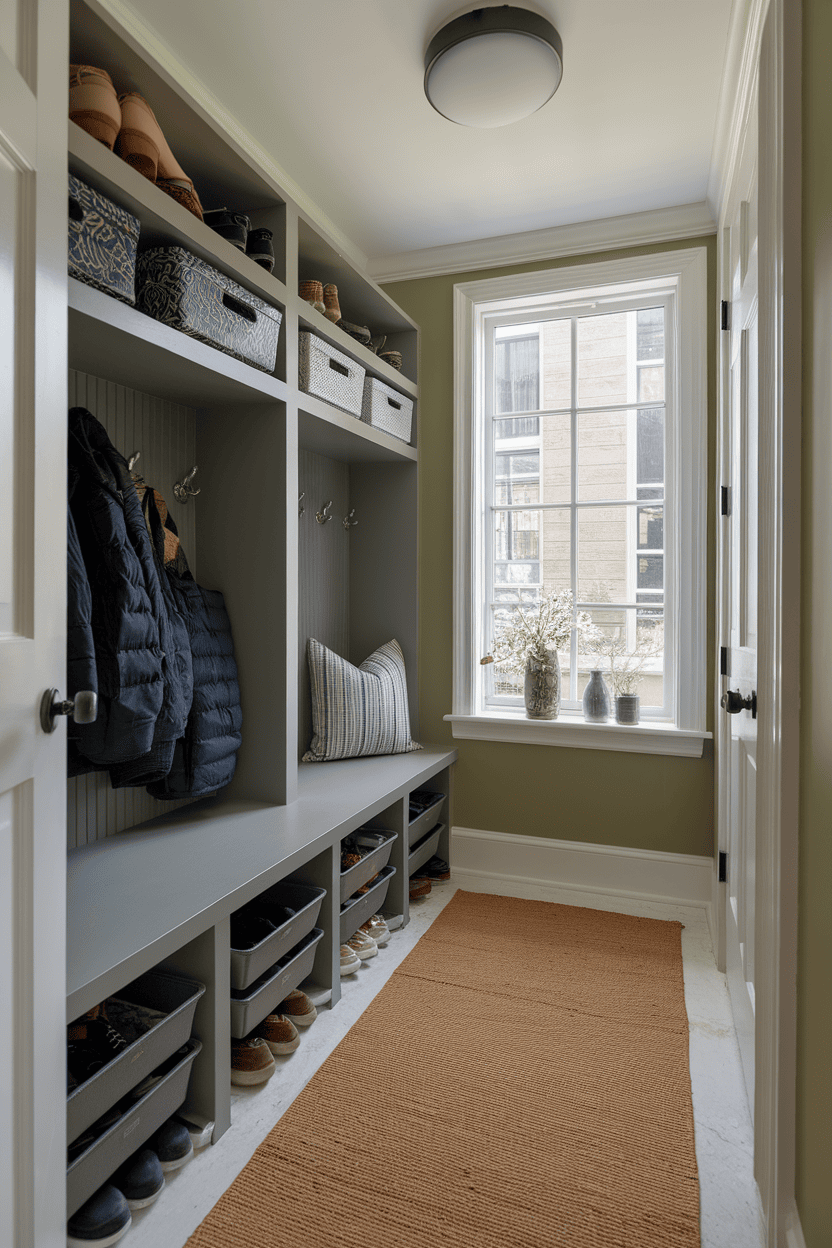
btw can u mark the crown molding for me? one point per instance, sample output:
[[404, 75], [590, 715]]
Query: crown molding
[[736, 96], [608, 234], [147, 38]]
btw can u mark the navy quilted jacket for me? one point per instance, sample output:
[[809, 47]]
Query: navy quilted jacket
[[121, 601], [205, 757]]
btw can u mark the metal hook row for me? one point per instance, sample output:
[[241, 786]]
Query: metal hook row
[[323, 515], [182, 490]]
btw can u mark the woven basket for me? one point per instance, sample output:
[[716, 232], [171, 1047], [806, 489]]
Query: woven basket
[[387, 409], [328, 374]]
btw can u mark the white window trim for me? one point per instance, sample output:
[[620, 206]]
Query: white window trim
[[686, 271]]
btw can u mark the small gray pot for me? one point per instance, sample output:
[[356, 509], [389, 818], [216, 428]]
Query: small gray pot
[[626, 708]]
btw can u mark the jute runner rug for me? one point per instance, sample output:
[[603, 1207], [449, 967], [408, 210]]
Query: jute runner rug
[[521, 1080]]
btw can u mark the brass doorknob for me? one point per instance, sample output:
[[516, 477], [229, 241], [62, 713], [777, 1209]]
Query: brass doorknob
[[83, 708]]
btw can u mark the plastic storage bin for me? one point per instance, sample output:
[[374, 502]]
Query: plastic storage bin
[[138, 1122], [358, 909], [158, 990], [103, 239], [379, 844], [247, 965], [250, 1008], [423, 822], [425, 850], [387, 409], [329, 374], [182, 291]]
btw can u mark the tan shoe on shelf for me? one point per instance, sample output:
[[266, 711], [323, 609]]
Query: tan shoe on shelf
[[298, 1008], [142, 144], [280, 1034], [362, 945], [93, 103], [376, 929], [251, 1061], [332, 310]]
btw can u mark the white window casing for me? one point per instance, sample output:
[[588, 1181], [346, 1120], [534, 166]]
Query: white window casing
[[678, 279]]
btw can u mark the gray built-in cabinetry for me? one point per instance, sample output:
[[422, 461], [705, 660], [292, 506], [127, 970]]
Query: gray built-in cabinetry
[[153, 884]]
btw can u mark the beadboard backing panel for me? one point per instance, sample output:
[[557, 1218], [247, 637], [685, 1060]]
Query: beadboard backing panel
[[165, 433], [323, 571]]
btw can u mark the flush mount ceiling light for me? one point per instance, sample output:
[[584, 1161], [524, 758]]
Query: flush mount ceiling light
[[493, 67]]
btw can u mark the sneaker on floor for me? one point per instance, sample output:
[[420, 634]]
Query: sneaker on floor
[[363, 945], [376, 929], [437, 870], [141, 1179], [298, 1009], [172, 1143], [350, 960], [280, 1034], [419, 887], [101, 1221], [251, 1061]]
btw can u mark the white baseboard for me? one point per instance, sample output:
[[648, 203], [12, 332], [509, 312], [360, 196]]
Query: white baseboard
[[794, 1231], [536, 867]]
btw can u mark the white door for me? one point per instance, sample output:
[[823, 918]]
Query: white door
[[739, 635], [33, 89]]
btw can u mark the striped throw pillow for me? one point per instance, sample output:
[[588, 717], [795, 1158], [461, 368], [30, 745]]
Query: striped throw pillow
[[357, 711]]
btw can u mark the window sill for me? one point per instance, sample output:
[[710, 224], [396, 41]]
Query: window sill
[[576, 733]]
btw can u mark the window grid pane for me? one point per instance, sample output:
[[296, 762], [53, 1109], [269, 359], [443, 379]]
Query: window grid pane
[[611, 552]]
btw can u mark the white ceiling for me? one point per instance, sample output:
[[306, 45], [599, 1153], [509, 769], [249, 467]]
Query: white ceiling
[[332, 90]]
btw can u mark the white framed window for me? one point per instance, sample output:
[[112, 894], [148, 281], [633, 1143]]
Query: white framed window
[[581, 463]]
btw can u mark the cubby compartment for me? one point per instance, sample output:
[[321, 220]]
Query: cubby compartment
[[357, 910], [134, 1125], [429, 814], [425, 849], [171, 996], [251, 1005], [247, 965], [377, 847]]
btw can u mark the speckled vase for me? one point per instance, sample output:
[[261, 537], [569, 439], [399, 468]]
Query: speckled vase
[[596, 701], [541, 686]]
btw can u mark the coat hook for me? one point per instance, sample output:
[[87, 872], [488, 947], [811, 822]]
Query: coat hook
[[133, 460], [301, 508], [321, 515], [348, 521], [182, 490]]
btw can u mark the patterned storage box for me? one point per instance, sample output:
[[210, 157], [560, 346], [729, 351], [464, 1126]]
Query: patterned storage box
[[102, 242], [387, 409], [329, 374], [184, 292]]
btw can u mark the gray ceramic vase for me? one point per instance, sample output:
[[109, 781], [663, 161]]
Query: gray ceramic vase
[[541, 686], [596, 701]]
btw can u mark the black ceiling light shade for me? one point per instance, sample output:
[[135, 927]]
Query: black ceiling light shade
[[492, 67]]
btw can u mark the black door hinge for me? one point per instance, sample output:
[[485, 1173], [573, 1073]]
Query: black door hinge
[[723, 867], [724, 315], [723, 660], [725, 500]]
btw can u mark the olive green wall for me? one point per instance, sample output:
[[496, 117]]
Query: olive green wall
[[814, 973], [642, 801]]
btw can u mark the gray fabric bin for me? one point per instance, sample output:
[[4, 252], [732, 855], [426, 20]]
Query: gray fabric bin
[[380, 845], [328, 374], [247, 965], [247, 1010], [177, 998], [136, 1125], [423, 823], [424, 850], [181, 290], [103, 241], [358, 910]]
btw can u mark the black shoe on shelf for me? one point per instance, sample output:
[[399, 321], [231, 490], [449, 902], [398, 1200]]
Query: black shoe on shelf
[[140, 1179], [260, 247], [233, 226], [102, 1220]]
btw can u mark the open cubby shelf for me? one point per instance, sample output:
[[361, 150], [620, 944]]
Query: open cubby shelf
[[151, 886]]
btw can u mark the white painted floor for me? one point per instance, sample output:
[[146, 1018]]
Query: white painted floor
[[730, 1205]]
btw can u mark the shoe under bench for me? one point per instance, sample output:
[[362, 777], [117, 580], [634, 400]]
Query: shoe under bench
[[161, 894]]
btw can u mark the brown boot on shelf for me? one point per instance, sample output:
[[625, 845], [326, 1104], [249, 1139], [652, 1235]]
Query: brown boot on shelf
[[331, 309], [141, 144], [93, 103]]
